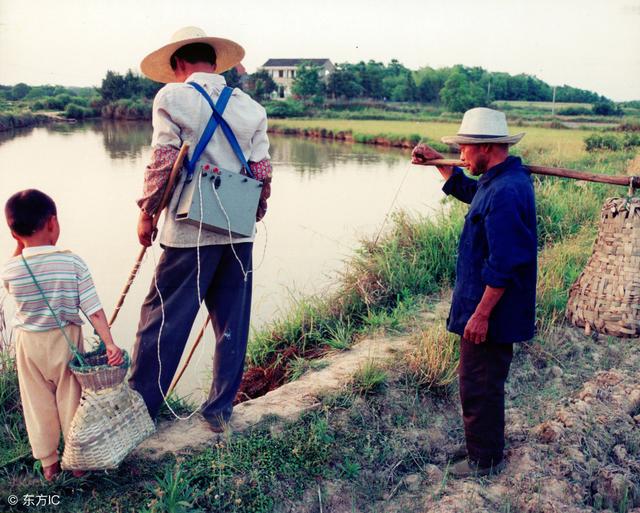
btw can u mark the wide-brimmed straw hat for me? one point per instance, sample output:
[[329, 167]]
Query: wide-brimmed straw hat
[[483, 126], [157, 65]]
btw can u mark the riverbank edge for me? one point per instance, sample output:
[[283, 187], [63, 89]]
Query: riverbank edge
[[405, 142]]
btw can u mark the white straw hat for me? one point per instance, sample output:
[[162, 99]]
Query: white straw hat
[[157, 65], [483, 126]]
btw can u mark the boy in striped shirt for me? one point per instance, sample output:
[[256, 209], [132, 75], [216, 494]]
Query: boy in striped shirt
[[48, 390]]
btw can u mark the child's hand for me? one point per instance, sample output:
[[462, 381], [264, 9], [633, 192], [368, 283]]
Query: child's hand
[[114, 355]]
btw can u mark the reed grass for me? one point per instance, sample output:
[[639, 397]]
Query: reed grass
[[433, 363]]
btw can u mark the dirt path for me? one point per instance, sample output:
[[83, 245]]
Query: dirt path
[[288, 401]]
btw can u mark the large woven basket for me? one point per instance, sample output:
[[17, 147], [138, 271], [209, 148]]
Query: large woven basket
[[606, 296], [111, 419]]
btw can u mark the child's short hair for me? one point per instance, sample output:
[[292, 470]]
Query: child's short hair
[[28, 211]]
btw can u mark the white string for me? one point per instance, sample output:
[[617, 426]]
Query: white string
[[395, 197], [199, 299], [198, 292], [264, 248]]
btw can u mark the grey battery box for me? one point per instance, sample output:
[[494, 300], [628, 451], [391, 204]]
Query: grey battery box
[[238, 194]]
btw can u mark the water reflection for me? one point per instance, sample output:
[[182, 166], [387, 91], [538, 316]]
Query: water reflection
[[315, 155], [124, 139]]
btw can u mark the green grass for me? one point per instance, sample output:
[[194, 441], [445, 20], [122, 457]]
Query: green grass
[[563, 144]]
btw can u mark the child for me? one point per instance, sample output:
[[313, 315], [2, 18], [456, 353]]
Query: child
[[49, 391]]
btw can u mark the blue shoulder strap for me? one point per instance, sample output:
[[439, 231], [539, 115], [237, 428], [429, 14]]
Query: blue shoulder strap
[[216, 114], [190, 164]]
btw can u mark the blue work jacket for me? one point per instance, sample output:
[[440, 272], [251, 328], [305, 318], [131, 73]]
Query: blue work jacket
[[498, 247]]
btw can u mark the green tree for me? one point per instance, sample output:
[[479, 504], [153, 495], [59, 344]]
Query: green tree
[[307, 83], [429, 81], [607, 108], [113, 86], [343, 83], [459, 94], [19, 91], [260, 85]]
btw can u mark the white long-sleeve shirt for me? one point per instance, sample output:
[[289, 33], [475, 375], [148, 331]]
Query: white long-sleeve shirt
[[180, 114]]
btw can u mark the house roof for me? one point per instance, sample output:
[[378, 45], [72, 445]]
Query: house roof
[[293, 62]]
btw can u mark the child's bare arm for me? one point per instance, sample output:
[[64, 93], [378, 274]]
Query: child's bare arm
[[114, 353]]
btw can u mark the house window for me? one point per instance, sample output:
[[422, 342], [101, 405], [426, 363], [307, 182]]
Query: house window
[[281, 73]]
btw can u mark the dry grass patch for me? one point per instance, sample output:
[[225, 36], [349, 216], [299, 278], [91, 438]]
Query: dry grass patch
[[434, 361]]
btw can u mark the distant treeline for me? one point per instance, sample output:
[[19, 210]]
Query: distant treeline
[[454, 89]]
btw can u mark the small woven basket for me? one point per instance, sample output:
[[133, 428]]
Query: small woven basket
[[111, 419], [606, 296], [99, 374]]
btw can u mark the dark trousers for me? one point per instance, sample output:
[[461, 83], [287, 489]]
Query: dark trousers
[[227, 297], [483, 372]]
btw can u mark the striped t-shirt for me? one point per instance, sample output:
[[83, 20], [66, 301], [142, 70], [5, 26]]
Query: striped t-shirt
[[65, 280]]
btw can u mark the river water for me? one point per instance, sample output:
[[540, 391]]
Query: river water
[[326, 196]]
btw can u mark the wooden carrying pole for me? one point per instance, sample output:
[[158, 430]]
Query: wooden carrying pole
[[166, 195], [554, 171]]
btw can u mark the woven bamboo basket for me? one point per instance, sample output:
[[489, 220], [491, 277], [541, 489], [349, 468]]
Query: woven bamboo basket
[[606, 296], [111, 419]]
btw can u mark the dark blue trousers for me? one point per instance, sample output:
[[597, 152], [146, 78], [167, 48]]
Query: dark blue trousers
[[227, 297]]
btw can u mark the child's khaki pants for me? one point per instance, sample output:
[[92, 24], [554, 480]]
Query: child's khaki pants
[[49, 391]]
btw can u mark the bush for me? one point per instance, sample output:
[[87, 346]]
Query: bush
[[285, 109], [75, 111], [613, 142], [59, 102], [602, 142], [607, 108], [128, 109], [575, 111]]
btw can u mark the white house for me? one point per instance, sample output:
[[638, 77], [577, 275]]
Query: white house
[[283, 72]]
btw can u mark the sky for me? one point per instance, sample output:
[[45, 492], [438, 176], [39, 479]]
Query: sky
[[590, 44]]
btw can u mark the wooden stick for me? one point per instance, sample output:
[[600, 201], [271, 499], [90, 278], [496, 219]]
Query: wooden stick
[[555, 171], [177, 166], [186, 363]]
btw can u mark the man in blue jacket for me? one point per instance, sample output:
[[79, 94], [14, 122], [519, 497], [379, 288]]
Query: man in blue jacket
[[494, 298]]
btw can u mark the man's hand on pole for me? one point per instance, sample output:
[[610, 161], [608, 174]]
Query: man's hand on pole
[[422, 154], [145, 229]]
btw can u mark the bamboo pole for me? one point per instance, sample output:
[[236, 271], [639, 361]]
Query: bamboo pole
[[177, 166], [554, 171], [188, 360]]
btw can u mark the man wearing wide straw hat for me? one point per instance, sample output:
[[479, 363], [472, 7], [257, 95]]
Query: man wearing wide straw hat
[[197, 264], [493, 302]]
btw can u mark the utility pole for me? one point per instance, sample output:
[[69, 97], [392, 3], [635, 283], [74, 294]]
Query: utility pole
[[553, 104]]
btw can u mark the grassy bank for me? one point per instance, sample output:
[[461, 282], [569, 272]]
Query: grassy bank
[[559, 144], [12, 119], [362, 443]]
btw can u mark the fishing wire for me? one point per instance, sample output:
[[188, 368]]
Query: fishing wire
[[198, 292], [199, 299], [395, 197]]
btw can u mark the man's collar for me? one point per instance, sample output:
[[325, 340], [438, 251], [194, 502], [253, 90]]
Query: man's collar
[[496, 170], [211, 79]]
